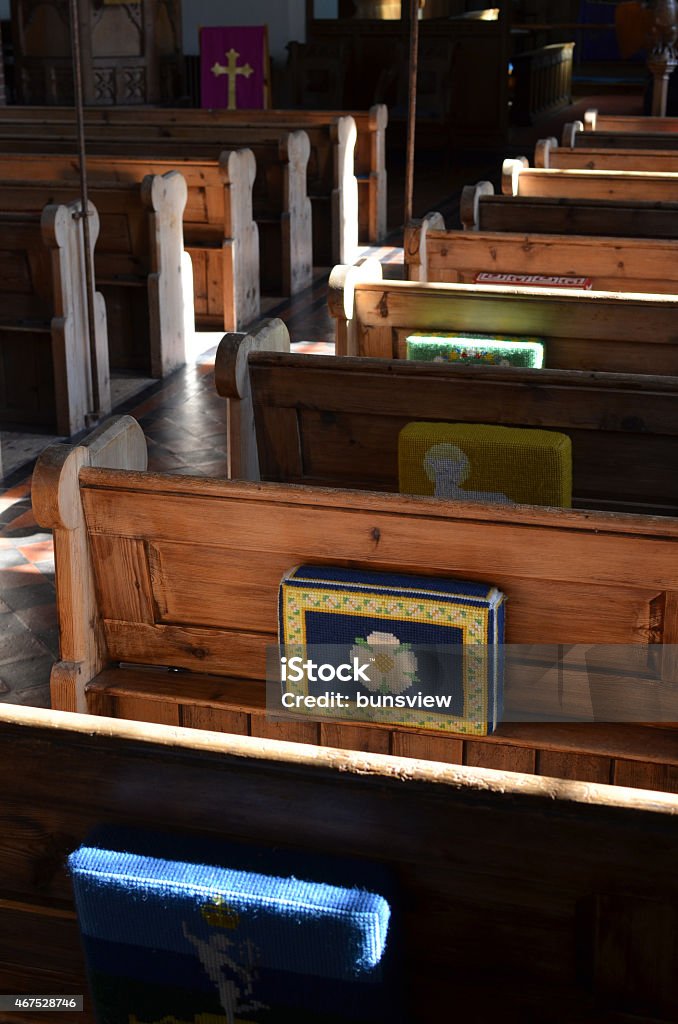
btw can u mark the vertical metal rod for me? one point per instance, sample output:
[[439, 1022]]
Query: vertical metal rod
[[412, 109], [89, 282]]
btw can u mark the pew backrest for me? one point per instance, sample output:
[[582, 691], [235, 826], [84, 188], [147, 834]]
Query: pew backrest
[[609, 264], [618, 332], [141, 594], [572, 854], [578, 183], [315, 427], [575, 136], [482, 210], [592, 157], [595, 121]]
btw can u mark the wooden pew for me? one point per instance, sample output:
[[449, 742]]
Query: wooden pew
[[623, 123], [313, 430], [548, 153], [518, 179], [45, 357], [331, 185], [369, 157], [626, 333], [138, 587], [281, 205], [539, 883], [220, 235], [576, 137], [139, 263], [435, 254], [482, 210]]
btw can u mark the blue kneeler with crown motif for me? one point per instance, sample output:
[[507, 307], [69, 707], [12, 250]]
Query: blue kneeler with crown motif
[[182, 931]]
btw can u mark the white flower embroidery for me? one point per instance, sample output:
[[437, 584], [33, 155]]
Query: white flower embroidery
[[393, 666]]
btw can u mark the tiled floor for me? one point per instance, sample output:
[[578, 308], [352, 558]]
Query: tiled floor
[[183, 419]]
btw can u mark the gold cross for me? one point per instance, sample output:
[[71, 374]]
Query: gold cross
[[232, 70]]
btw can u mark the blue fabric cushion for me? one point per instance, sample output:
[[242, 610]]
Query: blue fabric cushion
[[185, 936]]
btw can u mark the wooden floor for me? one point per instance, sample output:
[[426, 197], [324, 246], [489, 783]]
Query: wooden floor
[[183, 418]]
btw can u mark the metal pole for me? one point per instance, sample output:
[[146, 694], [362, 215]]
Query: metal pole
[[89, 282], [412, 109]]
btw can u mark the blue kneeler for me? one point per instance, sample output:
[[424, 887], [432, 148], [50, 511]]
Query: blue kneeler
[[178, 931]]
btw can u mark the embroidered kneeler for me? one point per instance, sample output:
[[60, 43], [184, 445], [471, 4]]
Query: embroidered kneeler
[[482, 462], [177, 931], [476, 349]]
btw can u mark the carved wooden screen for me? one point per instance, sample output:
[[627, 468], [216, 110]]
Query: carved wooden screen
[[131, 52]]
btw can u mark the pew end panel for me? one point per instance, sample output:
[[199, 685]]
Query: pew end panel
[[345, 192], [569, 136], [469, 208], [590, 120], [370, 168], [165, 198], [297, 217], [56, 504], [416, 233], [340, 294], [233, 383], [543, 150], [76, 358], [241, 271]]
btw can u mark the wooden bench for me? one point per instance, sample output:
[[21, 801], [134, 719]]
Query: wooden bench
[[314, 429], [548, 153], [435, 254], [542, 885], [139, 263], [331, 185], [623, 123], [575, 136], [281, 205], [137, 587], [518, 179], [219, 233], [482, 210], [626, 333], [369, 156], [45, 378]]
